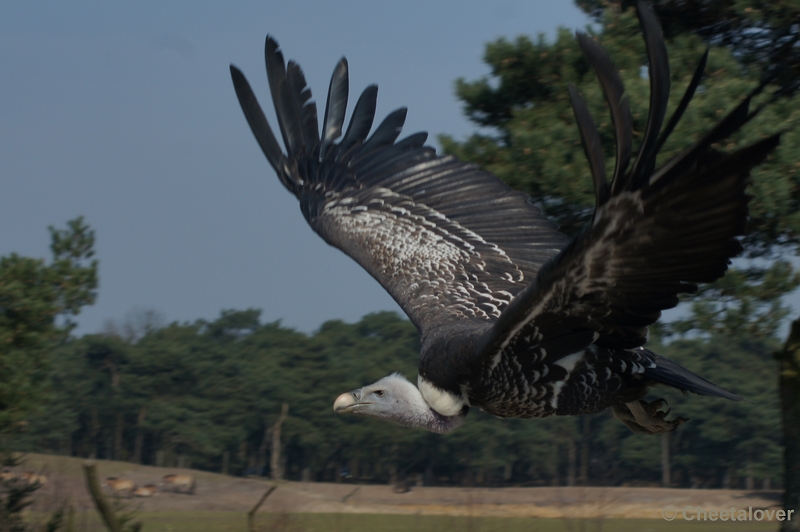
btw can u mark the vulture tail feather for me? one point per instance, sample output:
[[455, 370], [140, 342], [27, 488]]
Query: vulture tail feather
[[669, 373]]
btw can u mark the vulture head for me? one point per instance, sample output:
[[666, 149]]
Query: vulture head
[[395, 399]]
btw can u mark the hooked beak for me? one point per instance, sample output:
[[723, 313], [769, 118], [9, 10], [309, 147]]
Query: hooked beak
[[346, 402]]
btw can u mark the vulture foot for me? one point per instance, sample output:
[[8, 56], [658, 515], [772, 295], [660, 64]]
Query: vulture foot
[[647, 418]]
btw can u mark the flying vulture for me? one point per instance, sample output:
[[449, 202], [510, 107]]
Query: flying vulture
[[516, 318]]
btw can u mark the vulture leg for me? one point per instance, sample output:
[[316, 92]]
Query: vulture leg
[[646, 418]]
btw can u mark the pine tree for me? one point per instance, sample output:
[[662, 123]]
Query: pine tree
[[33, 296]]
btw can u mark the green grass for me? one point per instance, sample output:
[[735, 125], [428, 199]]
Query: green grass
[[237, 522], [199, 521], [419, 523]]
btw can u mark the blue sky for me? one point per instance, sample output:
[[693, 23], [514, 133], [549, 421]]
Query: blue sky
[[124, 112]]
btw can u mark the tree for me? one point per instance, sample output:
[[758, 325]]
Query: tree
[[789, 381], [34, 296], [534, 145], [214, 389], [762, 34]]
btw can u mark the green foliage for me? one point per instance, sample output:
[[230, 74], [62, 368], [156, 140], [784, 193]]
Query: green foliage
[[745, 302], [726, 437], [33, 295], [15, 497], [762, 34], [537, 148], [210, 388]]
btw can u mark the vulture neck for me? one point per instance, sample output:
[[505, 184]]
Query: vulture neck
[[438, 410], [422, 415], [440, 424]]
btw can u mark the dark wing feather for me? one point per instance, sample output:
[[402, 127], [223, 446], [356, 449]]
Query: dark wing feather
[[260, 127], [684, 103], [387, 132], [416, 140], [335, 107], [592, 145], [651, 241], [308, 116], [449, 241], [659, 91], [614, 92], [361, 121], [285, 107]]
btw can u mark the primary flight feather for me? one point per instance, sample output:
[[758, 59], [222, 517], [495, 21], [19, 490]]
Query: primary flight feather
[[516, 318]]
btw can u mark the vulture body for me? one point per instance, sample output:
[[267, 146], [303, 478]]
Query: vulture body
[[516, 318]]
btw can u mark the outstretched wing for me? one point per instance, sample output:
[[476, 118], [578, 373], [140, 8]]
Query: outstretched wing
[[448, 241], [655, 233]]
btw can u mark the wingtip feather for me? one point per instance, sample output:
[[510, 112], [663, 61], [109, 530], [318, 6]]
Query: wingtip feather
[[255, 117], [614, 92], [659, 92], [335, 106]]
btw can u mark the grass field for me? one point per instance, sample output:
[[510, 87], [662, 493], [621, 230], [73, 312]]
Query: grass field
[[236, 522], [221, 503], [397, 523]]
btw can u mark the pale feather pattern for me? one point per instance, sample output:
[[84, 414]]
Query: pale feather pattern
[[538, 385], [432, 265]]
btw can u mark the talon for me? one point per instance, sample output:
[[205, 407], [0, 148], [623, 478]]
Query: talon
[[662, 414], [647, 418]]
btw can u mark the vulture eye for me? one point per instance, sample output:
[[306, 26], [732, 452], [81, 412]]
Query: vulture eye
[[380, 393]]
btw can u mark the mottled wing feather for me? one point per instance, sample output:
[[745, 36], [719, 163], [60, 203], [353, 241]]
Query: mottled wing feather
[[440, 260], [436, 269]]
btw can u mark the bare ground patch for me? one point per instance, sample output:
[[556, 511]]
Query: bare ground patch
[[224, 493]]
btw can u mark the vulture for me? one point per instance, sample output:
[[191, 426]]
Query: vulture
[[516, 318]]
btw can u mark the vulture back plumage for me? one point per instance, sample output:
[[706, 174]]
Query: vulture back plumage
[[516, 318]]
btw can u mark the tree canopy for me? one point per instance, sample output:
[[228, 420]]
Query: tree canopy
[[193, 393], [34, 296], [763, 35]]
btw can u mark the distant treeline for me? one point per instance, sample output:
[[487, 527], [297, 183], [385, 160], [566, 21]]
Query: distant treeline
[[206, 395]]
